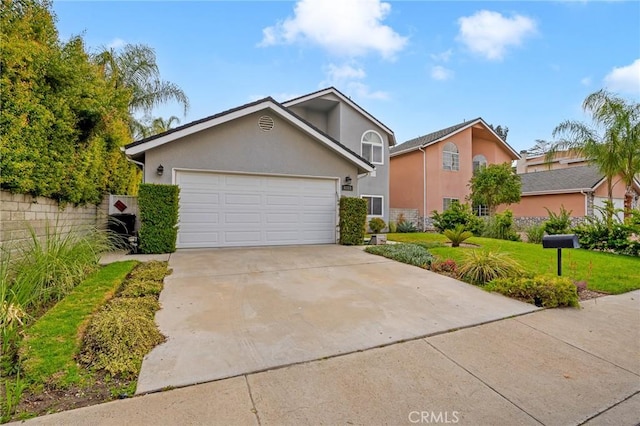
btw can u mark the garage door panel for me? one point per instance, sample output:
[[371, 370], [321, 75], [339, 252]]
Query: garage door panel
[[218, 210]]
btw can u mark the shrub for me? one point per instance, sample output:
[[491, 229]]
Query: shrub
[[154, 271], [376, 225], [558, 223], [541, 290], [392, 227], [158, 206], [457, 235], [457, 214], [353, 217], [534, 234], [500, 226], [481, 266], [596, 234], [406, 227], [120, 335], [141, 288], [447, 267], [411, 254]]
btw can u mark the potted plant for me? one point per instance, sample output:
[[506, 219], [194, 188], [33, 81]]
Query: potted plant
[[377, 225]]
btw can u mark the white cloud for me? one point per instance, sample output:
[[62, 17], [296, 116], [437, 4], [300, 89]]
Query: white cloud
[[116, 43], [624, 79], [343, 27], [441, 73], [586, 81], [347, 78], [442, 56], [490, 34]]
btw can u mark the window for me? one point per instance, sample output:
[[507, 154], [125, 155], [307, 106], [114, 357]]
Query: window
[[479, 161], [481, 210], [446, 203], [372, 147], [374, 205], [450, 157]]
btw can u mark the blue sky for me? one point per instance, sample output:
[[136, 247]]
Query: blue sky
[[418, 66]]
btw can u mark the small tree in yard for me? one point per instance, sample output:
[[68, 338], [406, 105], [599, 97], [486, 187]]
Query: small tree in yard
[[494, 185]]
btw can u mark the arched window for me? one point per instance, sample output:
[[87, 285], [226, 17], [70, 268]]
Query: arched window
[[450, 157], [372, 148], [479, 161]]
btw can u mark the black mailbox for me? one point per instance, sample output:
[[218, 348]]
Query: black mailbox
[[560, 241]]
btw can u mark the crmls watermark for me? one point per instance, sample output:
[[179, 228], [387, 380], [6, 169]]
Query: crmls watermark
[[434, 417]]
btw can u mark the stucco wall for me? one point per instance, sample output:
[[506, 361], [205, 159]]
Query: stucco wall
[[534, 205], [405, 181], [18, 212], [241, 146]]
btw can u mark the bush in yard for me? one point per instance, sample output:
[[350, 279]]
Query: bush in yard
[[353, 219], [376, 225], [406, 227], [457, 214], [447, 267], [457, 235], [393, 227], [544, 291], [411, 254], [500, 226], [534, 234], [595, 234], [558, 223], [481, 266], [158, 205]]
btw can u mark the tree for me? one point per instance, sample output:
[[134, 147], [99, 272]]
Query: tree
[[134, 67], [612, 142], [155, 126], [541, 147], [500, 131], [494, 185]]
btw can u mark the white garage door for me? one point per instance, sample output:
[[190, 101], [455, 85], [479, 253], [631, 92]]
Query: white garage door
[[226, 210]]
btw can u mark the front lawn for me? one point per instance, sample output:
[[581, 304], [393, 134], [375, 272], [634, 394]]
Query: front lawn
[[609, 273]]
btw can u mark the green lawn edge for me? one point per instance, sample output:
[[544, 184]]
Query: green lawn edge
[[605, 272], [50, 345]]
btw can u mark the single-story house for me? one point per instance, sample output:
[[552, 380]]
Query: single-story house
[[270, 173], [580, 189]]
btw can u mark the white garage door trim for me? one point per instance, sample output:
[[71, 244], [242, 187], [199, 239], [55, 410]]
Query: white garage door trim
[[231, 209]]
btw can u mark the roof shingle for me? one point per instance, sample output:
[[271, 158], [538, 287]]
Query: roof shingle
[[567, 179]]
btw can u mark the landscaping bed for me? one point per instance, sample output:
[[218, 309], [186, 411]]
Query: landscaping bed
[[88, 348]]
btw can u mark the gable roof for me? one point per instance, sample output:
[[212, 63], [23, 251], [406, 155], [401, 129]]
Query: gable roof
[[437, 136], [139, 147], [345, 99], [570, 179]]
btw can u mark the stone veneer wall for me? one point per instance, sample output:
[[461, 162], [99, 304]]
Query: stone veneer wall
[[527, 221], [410, 215], [18, 212]]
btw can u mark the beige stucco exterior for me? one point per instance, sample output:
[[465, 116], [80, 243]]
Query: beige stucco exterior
[[411, 170], [241, 146], [534, 205]]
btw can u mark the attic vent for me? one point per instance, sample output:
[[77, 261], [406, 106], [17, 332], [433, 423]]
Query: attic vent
[[265, 123]]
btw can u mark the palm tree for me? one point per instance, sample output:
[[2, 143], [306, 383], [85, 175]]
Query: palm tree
[[612, 143], [134, 67]]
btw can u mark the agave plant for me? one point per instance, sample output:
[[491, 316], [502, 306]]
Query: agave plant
[[457, 235]]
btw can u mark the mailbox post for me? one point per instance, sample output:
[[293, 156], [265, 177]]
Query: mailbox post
[[559, 242]]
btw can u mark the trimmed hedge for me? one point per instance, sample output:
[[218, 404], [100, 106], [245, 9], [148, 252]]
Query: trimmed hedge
[[353, 219], [158, 206], [544, 291]]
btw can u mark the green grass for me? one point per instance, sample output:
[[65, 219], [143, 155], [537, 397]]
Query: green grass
[[49, 348], [605, 272]]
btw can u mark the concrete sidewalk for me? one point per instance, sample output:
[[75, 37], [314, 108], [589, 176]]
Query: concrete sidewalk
[[553, 367]]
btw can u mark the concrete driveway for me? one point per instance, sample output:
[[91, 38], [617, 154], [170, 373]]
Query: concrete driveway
[[228, 312]]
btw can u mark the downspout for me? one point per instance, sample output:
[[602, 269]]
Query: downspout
[[139, 164], [424, 187]]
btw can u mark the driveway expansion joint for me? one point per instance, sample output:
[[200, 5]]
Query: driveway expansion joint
[[609, 408], [254, 410], [576, 347], [483, 382]]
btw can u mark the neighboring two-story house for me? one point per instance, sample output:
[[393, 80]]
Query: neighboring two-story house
[[429, 172], [270, 173]]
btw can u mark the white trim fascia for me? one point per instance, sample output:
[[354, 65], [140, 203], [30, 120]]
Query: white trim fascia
[[175, 170], [348, 101], [559, 191], [242, 113], [375, 196]]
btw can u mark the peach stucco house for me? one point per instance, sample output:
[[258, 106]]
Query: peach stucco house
[[428, 172]]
